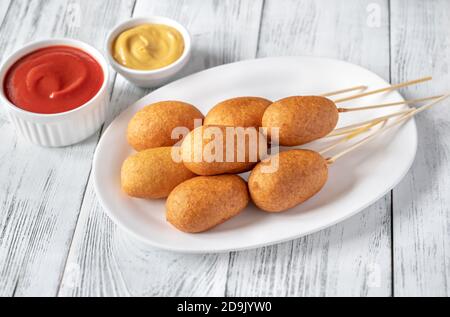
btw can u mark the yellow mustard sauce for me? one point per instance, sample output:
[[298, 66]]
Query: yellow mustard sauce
[[148, 46]]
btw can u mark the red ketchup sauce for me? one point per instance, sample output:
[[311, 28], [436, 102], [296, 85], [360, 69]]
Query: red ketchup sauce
[[53, 79]]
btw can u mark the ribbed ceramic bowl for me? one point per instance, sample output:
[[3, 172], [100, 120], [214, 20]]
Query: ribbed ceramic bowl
[[60, 129]]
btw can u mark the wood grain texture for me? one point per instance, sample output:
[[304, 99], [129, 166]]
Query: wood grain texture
[[42, 189], [352, 258], [4, 6], [421, 45], [46, 193], [103, 260]]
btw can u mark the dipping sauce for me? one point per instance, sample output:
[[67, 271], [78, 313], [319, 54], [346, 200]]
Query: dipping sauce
[[54, 79], [148, 47]]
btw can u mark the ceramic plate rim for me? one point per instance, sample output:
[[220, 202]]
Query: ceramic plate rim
[[106, 208]]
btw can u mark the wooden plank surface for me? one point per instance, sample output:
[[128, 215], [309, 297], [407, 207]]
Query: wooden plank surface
[[421, 45], [46, 193], [4, 6], [41, 189], [352, 258], [103, 260]]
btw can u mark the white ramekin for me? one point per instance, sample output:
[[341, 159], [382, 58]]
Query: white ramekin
[[149, 78], [65, 128]]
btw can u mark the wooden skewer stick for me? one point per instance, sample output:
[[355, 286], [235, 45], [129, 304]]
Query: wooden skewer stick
[[390, 88], [353, 127], [353, 134], [334, 158], [390, 104], [338, 92], [403, 118]]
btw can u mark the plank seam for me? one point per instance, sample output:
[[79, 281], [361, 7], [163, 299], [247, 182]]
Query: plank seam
[[73, 235], [6, 14], [16, 285], [392, 191], [258, 40], [230, 256]]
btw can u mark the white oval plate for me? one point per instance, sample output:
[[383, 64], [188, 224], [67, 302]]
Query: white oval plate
[[355, 181]]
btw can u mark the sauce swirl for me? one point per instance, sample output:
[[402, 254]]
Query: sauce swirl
[[148, 46], [54, 79]]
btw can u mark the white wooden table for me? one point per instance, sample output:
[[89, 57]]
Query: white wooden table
[[55, 240]]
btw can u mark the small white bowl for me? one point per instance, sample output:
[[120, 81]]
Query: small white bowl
[[149, 78], [65, 128]]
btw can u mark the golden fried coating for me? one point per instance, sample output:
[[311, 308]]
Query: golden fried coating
[[238, 112], [204, 202], [300, 175], [301, 119], [215, 150], [153, 173], [152, 125]]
